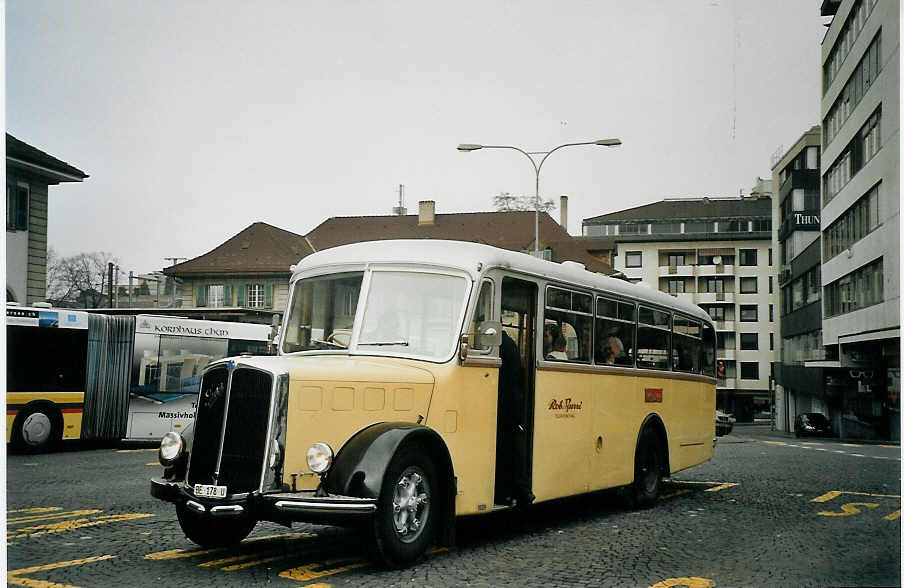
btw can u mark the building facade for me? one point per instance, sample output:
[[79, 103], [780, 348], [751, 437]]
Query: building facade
[[799, 369], [860, 220], [716, 253], [29, 172]]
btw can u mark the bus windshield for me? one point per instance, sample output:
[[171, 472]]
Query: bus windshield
[[405, 313]]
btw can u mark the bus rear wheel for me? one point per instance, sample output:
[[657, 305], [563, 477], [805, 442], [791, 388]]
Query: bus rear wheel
[[213, 532], [648, 464], [37, 429], [403, 526]]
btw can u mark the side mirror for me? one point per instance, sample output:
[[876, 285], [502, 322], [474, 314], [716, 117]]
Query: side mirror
[[489, 333]]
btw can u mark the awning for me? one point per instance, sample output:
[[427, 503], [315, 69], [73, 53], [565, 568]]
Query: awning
[[717, 251]]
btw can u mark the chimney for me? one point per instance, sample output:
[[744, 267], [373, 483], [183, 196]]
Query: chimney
[[563, 210], [426, 216]]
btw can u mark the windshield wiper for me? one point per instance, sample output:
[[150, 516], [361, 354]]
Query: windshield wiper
[[383, 343], [328, 343]]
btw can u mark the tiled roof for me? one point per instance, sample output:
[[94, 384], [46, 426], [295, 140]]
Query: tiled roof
[[258, 249], [596, 243], [507, 230], [692, 209], [22, 151]]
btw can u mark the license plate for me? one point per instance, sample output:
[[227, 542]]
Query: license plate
[[210, 491]]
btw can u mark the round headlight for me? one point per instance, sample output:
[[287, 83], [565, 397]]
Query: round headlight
[[320, 458], [171, 448]]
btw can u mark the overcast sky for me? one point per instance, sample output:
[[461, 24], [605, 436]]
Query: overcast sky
[[195, 119]]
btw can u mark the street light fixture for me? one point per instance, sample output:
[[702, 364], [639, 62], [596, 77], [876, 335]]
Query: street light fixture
[[466, 147]]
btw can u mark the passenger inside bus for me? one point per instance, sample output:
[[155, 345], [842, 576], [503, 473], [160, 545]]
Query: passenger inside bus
[[613, 350], [554, 343]]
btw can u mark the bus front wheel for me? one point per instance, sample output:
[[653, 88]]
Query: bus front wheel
[[403, 526], [213, 532], [647, 470], [37, 428]]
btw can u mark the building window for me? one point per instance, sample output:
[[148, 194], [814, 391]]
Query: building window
[[633, 229], [676, 259], [770, 281], [633, 259], [749, 313], [856, 87], [717, 313], [17, 206], [848, 34], [748, 285], [700, 227], [216, 295], [762, 224], [676, 285], [859, 289], [750, 370], [665, 228], [750, 341], [771, 314], [771, 341], [855, 223], [734, 226], [770, 257], [857, 153], [255, 295], [747, 257]]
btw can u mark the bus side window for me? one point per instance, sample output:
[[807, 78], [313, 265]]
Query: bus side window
[[709, 350], [568, 326], [685, 345], [653, 338], [614, 332]]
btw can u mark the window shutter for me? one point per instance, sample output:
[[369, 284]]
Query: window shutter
[[201, 299], [243, 295], [268, 296], [227, 295]]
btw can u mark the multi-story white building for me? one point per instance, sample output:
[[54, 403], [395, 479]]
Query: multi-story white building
[[716, 253], [860, 220]]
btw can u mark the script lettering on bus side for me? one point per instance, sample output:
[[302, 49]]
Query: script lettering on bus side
[[182, 330], [564, 407]]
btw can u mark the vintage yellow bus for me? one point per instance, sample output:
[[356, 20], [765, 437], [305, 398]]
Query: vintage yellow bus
[[418, 381]]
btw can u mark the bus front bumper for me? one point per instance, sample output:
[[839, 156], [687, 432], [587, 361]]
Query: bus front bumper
[[302, 506]]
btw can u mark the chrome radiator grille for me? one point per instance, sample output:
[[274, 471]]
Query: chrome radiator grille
[[244, 405]]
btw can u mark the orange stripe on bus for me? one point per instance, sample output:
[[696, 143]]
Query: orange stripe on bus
[[71, 410]]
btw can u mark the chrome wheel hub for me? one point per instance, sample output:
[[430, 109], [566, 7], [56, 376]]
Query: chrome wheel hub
[[410, 504]]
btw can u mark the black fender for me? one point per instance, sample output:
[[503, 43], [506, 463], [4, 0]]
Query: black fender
[[360, 465], [652, 421]]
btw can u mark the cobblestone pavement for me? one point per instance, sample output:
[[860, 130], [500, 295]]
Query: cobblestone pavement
[[766, 511]]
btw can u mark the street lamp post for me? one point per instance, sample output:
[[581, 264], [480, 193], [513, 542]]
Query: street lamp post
[[466, 147]]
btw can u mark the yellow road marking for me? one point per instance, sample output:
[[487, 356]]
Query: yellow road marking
[[16, 579], [135, 450], [179, 553], [317, 585], [836, 493], [775, 442], [848, 509], [850, 445], [893, 516], [692, 582], [57, 515], [225, 560], [36, 509], [63, 526], [891, 446], [674, 493], [320, 570], [32, 463], [256, 562], [721, 487], [810, 443], [154, 463]]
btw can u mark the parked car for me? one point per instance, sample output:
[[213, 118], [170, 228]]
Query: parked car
[[724, 423], [812, 424]]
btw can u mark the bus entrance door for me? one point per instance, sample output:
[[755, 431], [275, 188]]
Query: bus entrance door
[[514, 421]]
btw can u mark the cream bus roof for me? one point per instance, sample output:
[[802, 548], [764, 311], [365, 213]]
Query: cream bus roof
[[467, 256]]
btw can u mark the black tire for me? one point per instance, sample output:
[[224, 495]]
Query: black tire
[[208, 531], [648, 466], [37, 428], [407, 509]]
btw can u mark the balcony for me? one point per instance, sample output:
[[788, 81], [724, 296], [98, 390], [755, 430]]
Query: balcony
[[713, 297], [726, 383], [725, 353], [714, 270], [676, 271]]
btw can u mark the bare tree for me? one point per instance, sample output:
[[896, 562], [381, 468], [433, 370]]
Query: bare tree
[[506, 202], [78, 281]]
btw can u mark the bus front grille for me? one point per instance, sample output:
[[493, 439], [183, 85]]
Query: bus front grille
[[244, 441]]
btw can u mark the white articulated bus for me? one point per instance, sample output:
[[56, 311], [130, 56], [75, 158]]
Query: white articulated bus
[[73, 374]]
